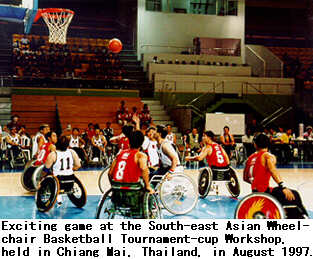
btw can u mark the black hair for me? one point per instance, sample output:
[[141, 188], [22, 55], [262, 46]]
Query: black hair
[[63, 143], [96, 126], [15, 116], [76, 129], [136, 139], [150, 128], [162, 130], [23, 126], [127, 129], [262, 140], [42, 126], [210, 134], [48, 135], [226, 127], [90, 124], [169, 125]]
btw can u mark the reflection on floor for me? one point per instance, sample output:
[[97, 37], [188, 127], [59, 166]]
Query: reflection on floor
[[17, 203]]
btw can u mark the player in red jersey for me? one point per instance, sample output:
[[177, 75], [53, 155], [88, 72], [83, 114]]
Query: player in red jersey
[[213, 152], [46, 148], [259, 169], [130, 164]]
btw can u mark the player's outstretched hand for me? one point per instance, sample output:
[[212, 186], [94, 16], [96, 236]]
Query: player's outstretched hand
[[169, 176], [150, 189]]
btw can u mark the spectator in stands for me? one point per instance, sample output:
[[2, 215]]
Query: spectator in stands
[[307, 146], [308, 134], [253, 127], [16, 46], [24, 40], [33, 45], [248, 143], [41, 42], [123, 105], [132, 114], [280, 132], [90, 132], [89, 49], [228, 141], [145, 118], [122, 117], [288, 146], [80, 49], [15, 123], [74, 48], [194, 142], [171, 137]]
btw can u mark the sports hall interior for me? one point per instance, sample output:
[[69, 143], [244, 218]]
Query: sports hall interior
[[253, 60]]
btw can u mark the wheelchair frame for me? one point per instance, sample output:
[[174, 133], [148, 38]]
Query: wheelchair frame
[[51, 186], [210, 179], [139, 204]]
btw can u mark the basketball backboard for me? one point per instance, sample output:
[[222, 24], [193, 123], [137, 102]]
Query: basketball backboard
[[23, 13]]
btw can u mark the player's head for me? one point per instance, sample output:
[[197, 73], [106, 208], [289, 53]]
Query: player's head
[[226, 129], [194, 131], [44, 128], [309, 129], [262, 141], [169, 127], [207, 136], [150, 131], [127, 129], [162, 131], [136, 139], [51, 137], [108, 124], [75, 131], [15, 118], [63, 143], [13, 130]]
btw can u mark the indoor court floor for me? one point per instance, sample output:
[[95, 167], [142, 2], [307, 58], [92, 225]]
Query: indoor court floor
[[17, 203]]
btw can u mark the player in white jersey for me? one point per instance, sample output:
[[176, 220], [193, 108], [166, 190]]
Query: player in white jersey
[[168, 157], [150, 147], [99, 143], [13, 140], [63, 162], [171, 137], [77, 144], [40, 139]]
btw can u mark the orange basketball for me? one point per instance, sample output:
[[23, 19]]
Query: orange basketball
[[115, 45]]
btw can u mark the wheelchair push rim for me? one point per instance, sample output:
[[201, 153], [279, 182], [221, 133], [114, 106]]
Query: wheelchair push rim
[[105, 208], [103, 179], [26, 177], [259, 206], [204, 182], [233, 186], [78, 195], [179, 195], [151, 207], [46, 195], [36, 178]]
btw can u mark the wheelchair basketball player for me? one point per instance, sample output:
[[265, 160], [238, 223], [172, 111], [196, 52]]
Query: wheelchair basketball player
[[259, 169]]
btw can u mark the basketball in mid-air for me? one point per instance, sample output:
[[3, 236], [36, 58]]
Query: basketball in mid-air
[[115, 45]]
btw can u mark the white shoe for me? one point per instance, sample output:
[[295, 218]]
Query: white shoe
[[95, 159]]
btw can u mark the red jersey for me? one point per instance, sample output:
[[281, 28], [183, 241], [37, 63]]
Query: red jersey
[[217, 157], [90, 133], [43, 154], [259, 175], [123, 143], [126, 169]]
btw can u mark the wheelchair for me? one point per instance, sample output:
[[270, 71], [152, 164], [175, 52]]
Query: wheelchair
[[260, 205], [211, 178], [103, 178], [102, 160], [15, 161], [31, 176], [52, 186], [128, 200]]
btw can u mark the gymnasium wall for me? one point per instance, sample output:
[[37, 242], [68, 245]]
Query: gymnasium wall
[[174, 29]]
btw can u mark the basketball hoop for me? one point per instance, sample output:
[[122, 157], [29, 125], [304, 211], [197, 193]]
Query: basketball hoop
[[58, 21]]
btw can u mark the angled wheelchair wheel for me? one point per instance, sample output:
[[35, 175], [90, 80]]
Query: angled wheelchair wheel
[[205, 181], [179, 195], [259, 206], [151, 208], [26, 177], [103, 181], [37, 175], [46, 195], [105, 208], [78, 195], [233, 186]]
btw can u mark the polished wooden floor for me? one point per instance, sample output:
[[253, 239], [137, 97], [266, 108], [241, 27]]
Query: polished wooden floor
[[16, 202]]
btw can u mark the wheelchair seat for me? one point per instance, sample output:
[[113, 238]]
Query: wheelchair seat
[[66, 182], [220, 173]]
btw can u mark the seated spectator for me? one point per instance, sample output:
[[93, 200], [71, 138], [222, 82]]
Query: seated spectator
[[15, 123], [74, 48], [80, 49], [122, 117], [89, 49], [33, 45], [228, 141], [308, 134], [24, 40], [145, 118], [90, 132], [247, 141], [16, 46], [132, 114], [288, 146], [41, 42], [123, 106]]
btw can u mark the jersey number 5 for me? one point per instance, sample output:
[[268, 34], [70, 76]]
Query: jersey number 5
[[220, 157]]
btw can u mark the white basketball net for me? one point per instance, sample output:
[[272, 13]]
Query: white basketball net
[[58, 23]]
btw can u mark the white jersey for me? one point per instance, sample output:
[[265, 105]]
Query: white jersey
[[15, 139], [152, 149], [35, 142], [74, 142], [166, 161], [64, 163], [170, 137], [98, 142]]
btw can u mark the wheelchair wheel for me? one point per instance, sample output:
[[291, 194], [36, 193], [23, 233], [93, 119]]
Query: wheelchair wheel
[[259, 206], [179, 195], [105, 208], [47, 194], [26, 177], [151, 208], [78, 196], [204, 182], [233, 186], [241, 155], [103, 179], [37, 176]]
